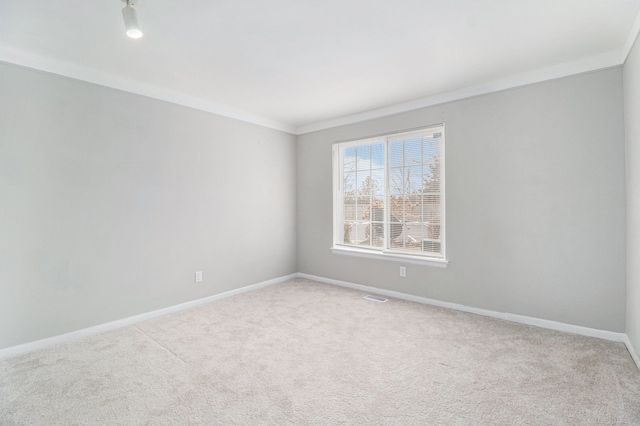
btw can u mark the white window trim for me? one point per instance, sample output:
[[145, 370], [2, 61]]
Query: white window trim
[[397, 257], [440, 262]]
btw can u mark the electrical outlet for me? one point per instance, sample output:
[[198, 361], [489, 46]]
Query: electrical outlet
[[403, 271], [199, 276]]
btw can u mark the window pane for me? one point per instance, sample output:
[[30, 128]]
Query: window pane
[[377, 211], [349, 183], [396, 204], [433, 231], [431, 183], [377, 156], [397, 242], [417, 231], [431, 178], [397, 181], [415, 171], [365, 208], [413, 177], [348, 229], [349, 209], [366, 221], [366, 184], [364, 157], [361, 238], [431, 201], [395, 228], [349, 159], [378, 183], [412, 210], [377, 235], [434, 247], [431, 148], [396, 154], [356, 233], [412, 152], [431, 213]]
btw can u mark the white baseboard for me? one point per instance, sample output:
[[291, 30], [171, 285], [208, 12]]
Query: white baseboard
[[553, 325], [102, 328], [113, 325], [632, 351]]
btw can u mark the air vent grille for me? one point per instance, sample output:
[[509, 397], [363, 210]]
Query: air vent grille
[[375, 298]]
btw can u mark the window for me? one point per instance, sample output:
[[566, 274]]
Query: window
[[389, 196]]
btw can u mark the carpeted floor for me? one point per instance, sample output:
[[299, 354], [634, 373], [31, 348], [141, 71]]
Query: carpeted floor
[[302, 352]]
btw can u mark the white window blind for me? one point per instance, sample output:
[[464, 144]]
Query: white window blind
[[389, 193]]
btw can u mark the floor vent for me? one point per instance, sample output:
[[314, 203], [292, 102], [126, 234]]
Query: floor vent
[[375, 298]]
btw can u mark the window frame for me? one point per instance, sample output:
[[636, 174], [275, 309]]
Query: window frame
[[338, 196]]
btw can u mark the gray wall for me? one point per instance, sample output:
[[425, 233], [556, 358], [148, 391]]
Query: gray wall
[[632, 133], [109, 202], [535, 203]]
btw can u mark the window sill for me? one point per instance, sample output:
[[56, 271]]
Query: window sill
[[418, 260]]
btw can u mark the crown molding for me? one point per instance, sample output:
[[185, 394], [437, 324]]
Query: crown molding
[[593, 63], [78, 72]]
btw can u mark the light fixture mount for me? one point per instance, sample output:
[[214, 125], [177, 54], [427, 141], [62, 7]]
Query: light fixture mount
[[132, 2]]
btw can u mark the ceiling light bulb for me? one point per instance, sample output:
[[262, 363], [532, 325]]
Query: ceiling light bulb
[[131, 22]]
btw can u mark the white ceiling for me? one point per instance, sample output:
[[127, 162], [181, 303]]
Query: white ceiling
[[304, 65]]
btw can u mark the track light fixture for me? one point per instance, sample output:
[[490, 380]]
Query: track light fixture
[[131, 19]]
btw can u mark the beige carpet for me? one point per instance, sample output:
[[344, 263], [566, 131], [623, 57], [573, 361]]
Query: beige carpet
[[308, 353]]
